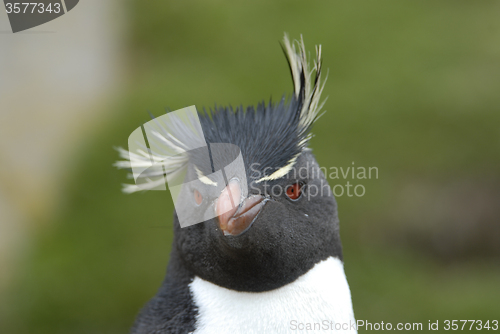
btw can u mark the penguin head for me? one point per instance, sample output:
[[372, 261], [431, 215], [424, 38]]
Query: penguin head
[[255, 212], [271, 221]]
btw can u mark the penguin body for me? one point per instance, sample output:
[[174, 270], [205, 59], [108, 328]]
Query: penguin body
[[222, 310], [193, 305]]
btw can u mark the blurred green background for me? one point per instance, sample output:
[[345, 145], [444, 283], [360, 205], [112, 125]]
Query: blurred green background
[[413, 89]]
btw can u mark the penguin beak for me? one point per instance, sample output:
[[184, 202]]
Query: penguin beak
[[235, 218]]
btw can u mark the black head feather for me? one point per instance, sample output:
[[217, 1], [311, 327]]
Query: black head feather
[[268, 135], [271, 136]]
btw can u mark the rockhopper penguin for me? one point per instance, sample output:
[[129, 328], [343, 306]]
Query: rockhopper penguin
[[273, 263]]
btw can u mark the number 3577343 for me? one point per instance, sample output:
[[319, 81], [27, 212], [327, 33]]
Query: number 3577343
[[32, 7], [470, 325]]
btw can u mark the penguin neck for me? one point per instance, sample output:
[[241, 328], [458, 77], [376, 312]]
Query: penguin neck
[[254, 271], [266, 259]]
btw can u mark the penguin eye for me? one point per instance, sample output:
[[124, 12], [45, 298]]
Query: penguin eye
[[197, 197], [294, 191]]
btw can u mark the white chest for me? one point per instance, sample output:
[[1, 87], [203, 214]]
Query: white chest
[[318, 301]]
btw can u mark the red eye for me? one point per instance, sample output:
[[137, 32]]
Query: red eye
[[294, 191], [197, 197]]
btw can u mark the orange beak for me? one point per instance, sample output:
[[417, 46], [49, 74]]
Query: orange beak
[[235, 218]]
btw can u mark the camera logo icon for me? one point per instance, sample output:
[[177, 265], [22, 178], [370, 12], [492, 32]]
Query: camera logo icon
[[171, 152]]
